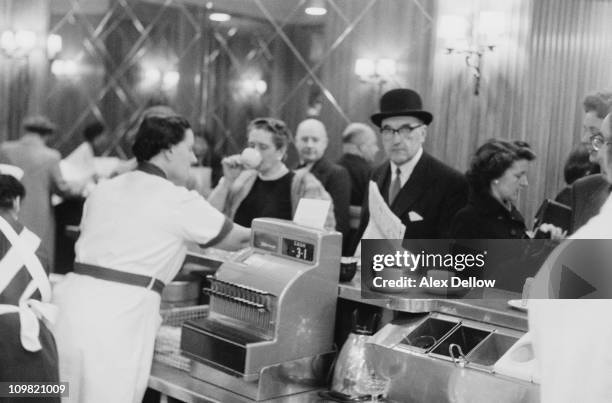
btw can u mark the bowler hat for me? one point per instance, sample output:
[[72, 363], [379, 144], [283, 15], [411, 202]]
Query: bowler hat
[[401, 102], [38, 124]]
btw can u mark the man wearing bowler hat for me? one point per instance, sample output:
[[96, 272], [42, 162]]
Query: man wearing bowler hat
[[421, 190]]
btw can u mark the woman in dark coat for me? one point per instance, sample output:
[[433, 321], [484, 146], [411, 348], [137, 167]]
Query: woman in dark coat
[[496, 175], [27, 347]]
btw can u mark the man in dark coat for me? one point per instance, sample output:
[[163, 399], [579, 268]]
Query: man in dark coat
[[359, 147], [311, 142], [422, 191]]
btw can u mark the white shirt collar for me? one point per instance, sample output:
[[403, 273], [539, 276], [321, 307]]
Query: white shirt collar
[[406, 168]]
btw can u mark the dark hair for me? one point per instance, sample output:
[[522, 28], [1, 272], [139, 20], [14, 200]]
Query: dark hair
[[93, 130], [599, 102], [10, 189], [281, 135], [492, 159], [579, 165], [156, 134]]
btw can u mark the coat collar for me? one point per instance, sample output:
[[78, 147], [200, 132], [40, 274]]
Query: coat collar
[[487, 205], [320, 166], [354, 158], [32, 140], [412, 189], [152, 169]]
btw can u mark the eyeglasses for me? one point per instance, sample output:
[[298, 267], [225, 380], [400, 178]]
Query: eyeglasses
[[598, 141], [403, 130]]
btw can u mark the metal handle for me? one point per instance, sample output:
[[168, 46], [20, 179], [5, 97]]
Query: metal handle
[[259, 307], [460, 360]]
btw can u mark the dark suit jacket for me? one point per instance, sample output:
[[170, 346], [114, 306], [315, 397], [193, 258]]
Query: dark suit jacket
[[336, 181], [359, 170], [434, 191], [585, 197]]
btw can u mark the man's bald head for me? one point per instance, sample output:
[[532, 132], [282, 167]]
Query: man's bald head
[[311, 140], [360, 139]]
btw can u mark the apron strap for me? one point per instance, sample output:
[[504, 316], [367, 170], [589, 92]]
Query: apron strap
[[32, 264], [118, 276], [29, 313]]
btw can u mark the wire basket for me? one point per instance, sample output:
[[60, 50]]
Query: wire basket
[[168, 340]]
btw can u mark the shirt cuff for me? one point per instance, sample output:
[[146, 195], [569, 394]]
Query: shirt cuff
[[228, 225]]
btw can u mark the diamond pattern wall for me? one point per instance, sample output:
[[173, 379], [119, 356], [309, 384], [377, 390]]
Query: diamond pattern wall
[[270, 59]]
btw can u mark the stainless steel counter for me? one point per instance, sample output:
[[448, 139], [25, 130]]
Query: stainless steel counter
[[179, 385], [492, 307]]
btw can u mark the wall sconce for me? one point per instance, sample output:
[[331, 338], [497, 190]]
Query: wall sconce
[[54, 46], [167, 80], [170, 79], [64, 68], [374, 71], [17, 44], [472, 38]]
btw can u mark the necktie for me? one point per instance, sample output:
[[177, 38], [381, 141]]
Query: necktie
[[395, 187]]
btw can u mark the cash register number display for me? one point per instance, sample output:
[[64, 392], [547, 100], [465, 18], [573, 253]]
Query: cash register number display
[[298, 249], [290, 247]]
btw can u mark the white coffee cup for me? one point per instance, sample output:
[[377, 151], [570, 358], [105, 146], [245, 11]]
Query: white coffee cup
[[250, 158]]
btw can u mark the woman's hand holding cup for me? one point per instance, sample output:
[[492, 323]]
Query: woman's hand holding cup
[[232, 167], [235, 164]]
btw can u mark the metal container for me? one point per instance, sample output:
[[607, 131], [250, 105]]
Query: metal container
[[463, 358], [184, 290]]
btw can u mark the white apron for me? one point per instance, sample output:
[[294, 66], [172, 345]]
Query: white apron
[[105, 334], [137, 223], [30, 310]]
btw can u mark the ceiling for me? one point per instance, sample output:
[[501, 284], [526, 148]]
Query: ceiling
[[281, 10]]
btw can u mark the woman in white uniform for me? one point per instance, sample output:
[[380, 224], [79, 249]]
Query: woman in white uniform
[[572, 337], [133, 241]]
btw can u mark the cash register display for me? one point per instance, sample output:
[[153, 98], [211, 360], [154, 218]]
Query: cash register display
[[298, 249]]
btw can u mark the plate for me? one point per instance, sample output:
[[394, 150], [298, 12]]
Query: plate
[[519, 304]]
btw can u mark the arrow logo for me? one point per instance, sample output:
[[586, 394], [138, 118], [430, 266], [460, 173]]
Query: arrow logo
[[572, 286]]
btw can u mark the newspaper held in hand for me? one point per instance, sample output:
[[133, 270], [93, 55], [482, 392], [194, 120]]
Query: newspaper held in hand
[[383, 223]]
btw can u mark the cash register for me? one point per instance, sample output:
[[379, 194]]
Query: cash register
[[272, 311]]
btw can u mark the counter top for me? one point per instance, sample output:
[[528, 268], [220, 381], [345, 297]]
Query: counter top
[[490, 306], [180, 385]]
